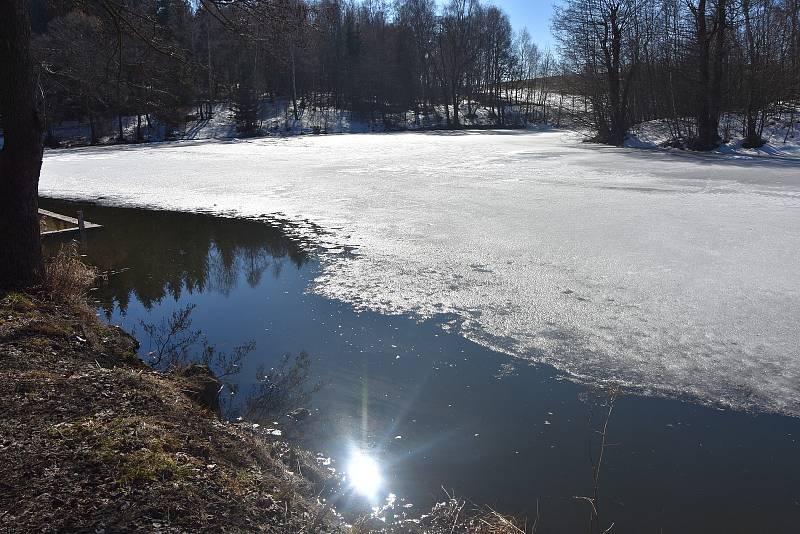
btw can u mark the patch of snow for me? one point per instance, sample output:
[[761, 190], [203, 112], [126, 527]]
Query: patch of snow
[[650, 135], [781, 135], [681, 268]]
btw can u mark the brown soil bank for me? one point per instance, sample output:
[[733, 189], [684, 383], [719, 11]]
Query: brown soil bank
[[93, 440]]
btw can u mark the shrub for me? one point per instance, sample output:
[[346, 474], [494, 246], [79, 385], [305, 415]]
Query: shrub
[[66, 277]]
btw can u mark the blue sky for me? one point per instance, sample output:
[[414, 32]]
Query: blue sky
[[533, 14]]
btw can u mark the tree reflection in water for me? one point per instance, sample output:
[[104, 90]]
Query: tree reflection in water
[[152, 254], [282, 389], [155, 256]]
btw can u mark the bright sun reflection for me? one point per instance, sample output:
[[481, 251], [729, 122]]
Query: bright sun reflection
[[363, 474]]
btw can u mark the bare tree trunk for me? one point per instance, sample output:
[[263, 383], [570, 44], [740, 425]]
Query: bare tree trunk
[[617, 126], [21, 157], [755, 101], [120, 132], [294, 85], [711, 43], [455, 106], [210, 73], [716, 70], [794, 70], [92, 130]]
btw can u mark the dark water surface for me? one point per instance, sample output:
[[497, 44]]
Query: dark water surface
[[435, 410]]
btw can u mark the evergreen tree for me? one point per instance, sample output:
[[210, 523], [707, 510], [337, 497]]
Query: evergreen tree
[[245, 109]]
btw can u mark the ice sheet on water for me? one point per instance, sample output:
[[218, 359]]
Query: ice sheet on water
[[670, 272]]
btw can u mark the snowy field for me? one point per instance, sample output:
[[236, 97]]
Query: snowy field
[[671, 272]]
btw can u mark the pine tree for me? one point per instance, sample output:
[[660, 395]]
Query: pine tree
[[245, 109]]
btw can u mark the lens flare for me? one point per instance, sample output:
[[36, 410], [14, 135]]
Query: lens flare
[[363, 474]]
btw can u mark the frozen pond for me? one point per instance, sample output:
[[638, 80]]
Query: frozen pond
[[671, 273], [435, 409]]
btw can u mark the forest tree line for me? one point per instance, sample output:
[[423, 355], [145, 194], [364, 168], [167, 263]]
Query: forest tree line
[[156, 58], [619, 62], [686, 61]]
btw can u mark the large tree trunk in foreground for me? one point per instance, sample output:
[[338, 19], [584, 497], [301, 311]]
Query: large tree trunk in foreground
[[21, 157]]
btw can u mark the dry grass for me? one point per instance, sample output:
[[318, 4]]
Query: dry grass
[[458, 516], [453, 516], [66, 277], [496, 523], [16, 301]]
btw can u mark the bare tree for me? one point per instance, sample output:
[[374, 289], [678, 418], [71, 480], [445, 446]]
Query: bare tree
[[609, 35]]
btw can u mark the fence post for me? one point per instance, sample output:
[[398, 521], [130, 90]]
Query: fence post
[[81, 225]]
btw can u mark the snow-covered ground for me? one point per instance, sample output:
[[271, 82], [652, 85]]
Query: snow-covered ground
[[781, 135], [672, 272], [277, 119]]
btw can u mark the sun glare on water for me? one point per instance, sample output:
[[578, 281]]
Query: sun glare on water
[[363, 474]]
